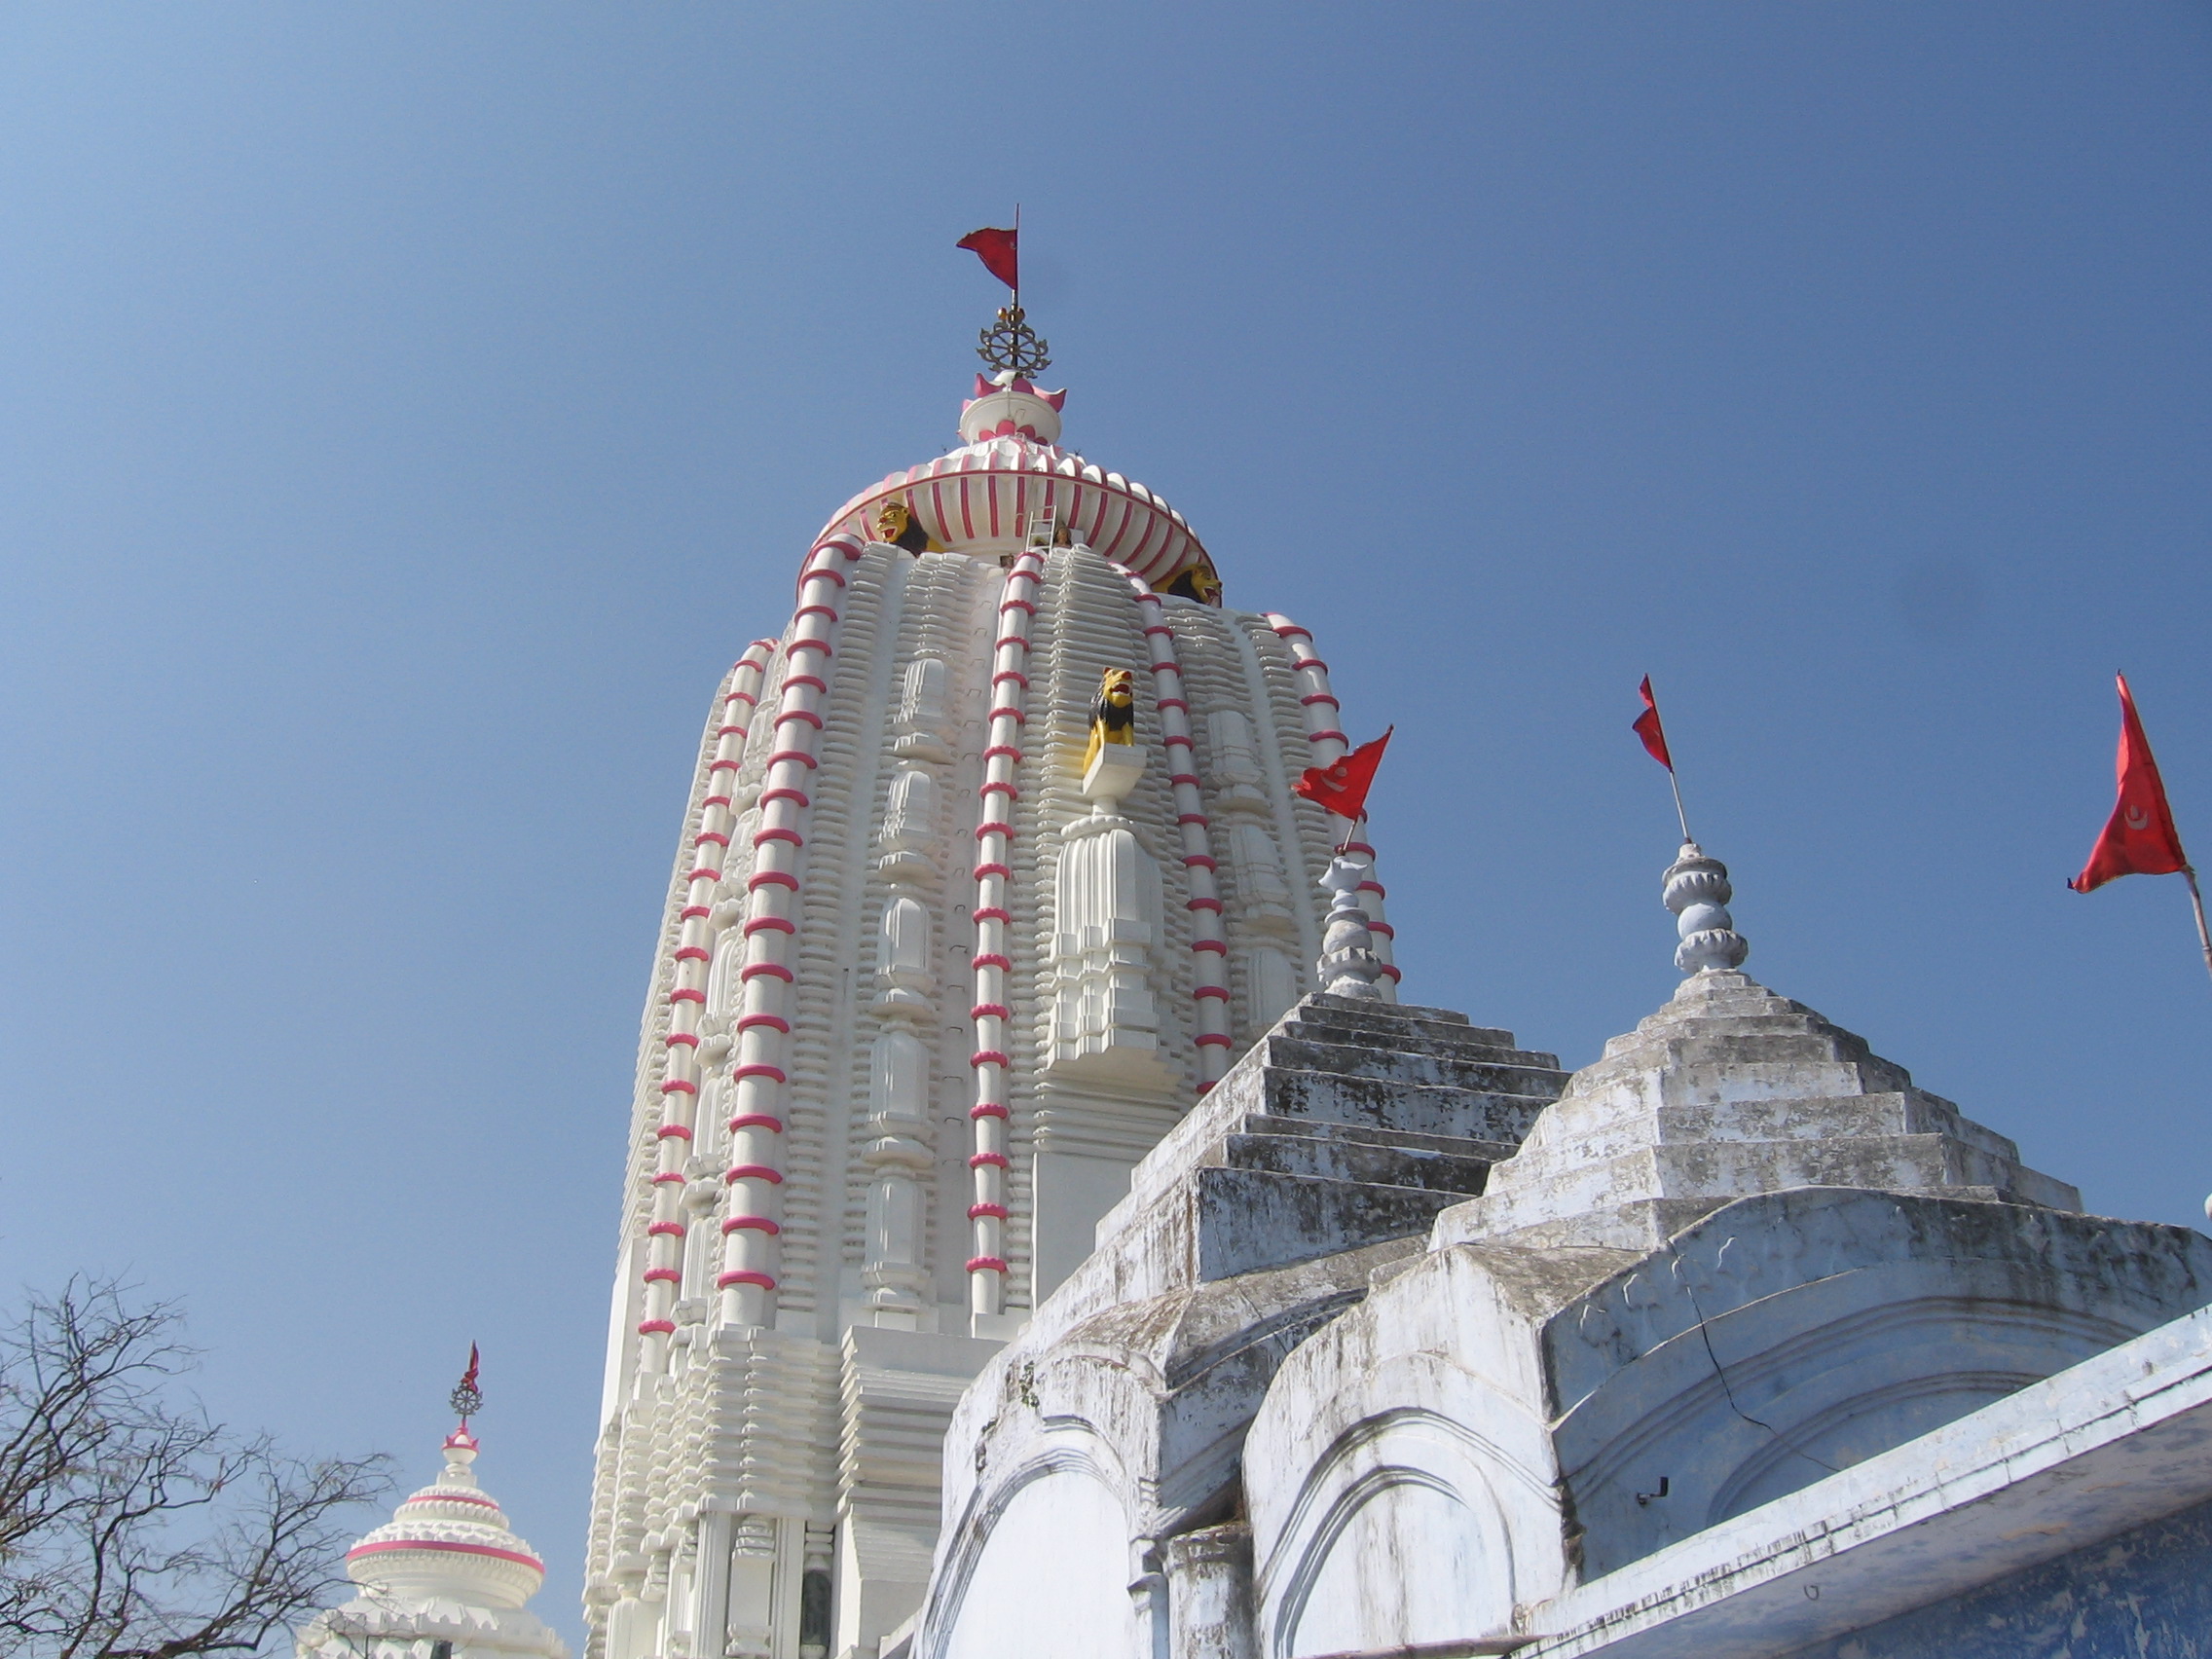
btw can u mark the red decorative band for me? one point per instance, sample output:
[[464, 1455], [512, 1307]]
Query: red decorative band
[[829, 610], [986, 1109], [725, 763], [694, 913], [1391, 970], [665, 1230], [1320, 698], [989, 1011], [991, 914], [714, 799], [676, 1086], [692, 953], [1014, 714], [468, 1548], [1005, 640], [729, 731], [773, 1022], [1214, 1040], [814, 680], [1160, 628], [1000, 786], [1374, 887], [726, 1281], [1192, 817], [749, 1224], [1292, 631], [669, 1178], [662, 1275], [1005, 673], [1200, 860], [997, 748], [1213, 944], [807, 715], [755, 1173], [986, 1057], [756, 1121], [673, 1131], [1214, 991], [703, 873], [994, 827], [1382, 928], [1205, 1087], [771, 878], [1029, 605], [986, 1265], [740, 696], [761, 837], [765, 971], [1165, 668], [1324, 736], [1314, 664], [1174, 703], [687, 996], [688, 1039], [984, 869], [645, 1328], [1190, 777], [784, 792], [1213, 904], [798, 755], [977, 1212], [993, 959], [988, 1160], [774, 1074], [769, 924]]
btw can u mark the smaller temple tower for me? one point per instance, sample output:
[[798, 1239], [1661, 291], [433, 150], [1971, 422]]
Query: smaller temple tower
[[445, 1579]]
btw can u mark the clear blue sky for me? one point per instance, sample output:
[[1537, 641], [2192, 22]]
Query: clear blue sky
[[410, 411]]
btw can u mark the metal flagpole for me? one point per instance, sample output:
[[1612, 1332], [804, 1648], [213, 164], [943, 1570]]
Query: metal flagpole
[[1675, 783], [2196, 901]]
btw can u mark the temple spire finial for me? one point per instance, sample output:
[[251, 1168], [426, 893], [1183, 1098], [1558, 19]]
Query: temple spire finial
[[1698, 892]]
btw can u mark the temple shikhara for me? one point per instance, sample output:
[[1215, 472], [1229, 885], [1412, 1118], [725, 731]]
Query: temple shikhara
[[1046, 1231]]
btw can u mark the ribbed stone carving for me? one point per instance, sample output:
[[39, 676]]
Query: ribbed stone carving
[[1697, 891]]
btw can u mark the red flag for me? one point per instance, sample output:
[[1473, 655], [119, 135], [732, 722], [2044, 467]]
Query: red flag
[[998, 251], [1343, 785], [2139, 839], [1648, 728], [468, 1377]]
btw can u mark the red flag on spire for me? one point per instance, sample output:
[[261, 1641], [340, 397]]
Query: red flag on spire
[[998, 250], [468, 1377], [1648, 728], [2139, 839], [1342, 786]]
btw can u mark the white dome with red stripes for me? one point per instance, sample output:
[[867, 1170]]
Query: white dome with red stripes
[[982, 498], [450, 1539]]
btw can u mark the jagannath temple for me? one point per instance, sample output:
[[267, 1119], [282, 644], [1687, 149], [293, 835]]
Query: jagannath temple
[[1045, 1231]]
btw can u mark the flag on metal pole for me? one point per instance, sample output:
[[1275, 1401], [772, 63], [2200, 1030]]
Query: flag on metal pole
[[2139, 839]]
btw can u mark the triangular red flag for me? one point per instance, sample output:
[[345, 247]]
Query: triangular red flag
[[999, 252], [2139, 839], [1342, 786], [1648, 728], [468, 1377]]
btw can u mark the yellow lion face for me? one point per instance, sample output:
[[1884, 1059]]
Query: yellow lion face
[[1117, 687], [892, 520]]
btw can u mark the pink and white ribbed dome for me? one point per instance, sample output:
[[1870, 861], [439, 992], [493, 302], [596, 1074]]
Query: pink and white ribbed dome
[[982, 498], [452, 1540]]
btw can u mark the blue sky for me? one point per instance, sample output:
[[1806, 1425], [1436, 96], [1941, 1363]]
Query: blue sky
[[407, 412]]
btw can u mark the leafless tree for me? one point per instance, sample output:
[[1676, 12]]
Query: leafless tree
[[133, 1526]]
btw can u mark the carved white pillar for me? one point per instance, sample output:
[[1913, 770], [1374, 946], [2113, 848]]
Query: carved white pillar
[[1209, 1594]]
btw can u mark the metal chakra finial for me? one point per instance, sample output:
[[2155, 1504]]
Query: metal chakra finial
[[1697, 891], [1011, 345], [466, 1398]]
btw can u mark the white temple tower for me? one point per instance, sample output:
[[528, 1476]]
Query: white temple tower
[[931, 980]]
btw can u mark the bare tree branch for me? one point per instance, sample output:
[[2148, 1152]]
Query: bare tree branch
[[133, 1527]]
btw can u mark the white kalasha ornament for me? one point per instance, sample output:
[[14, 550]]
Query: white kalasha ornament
[[445, 1579], [935, 973], [1349, 966], [1697, 891]]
